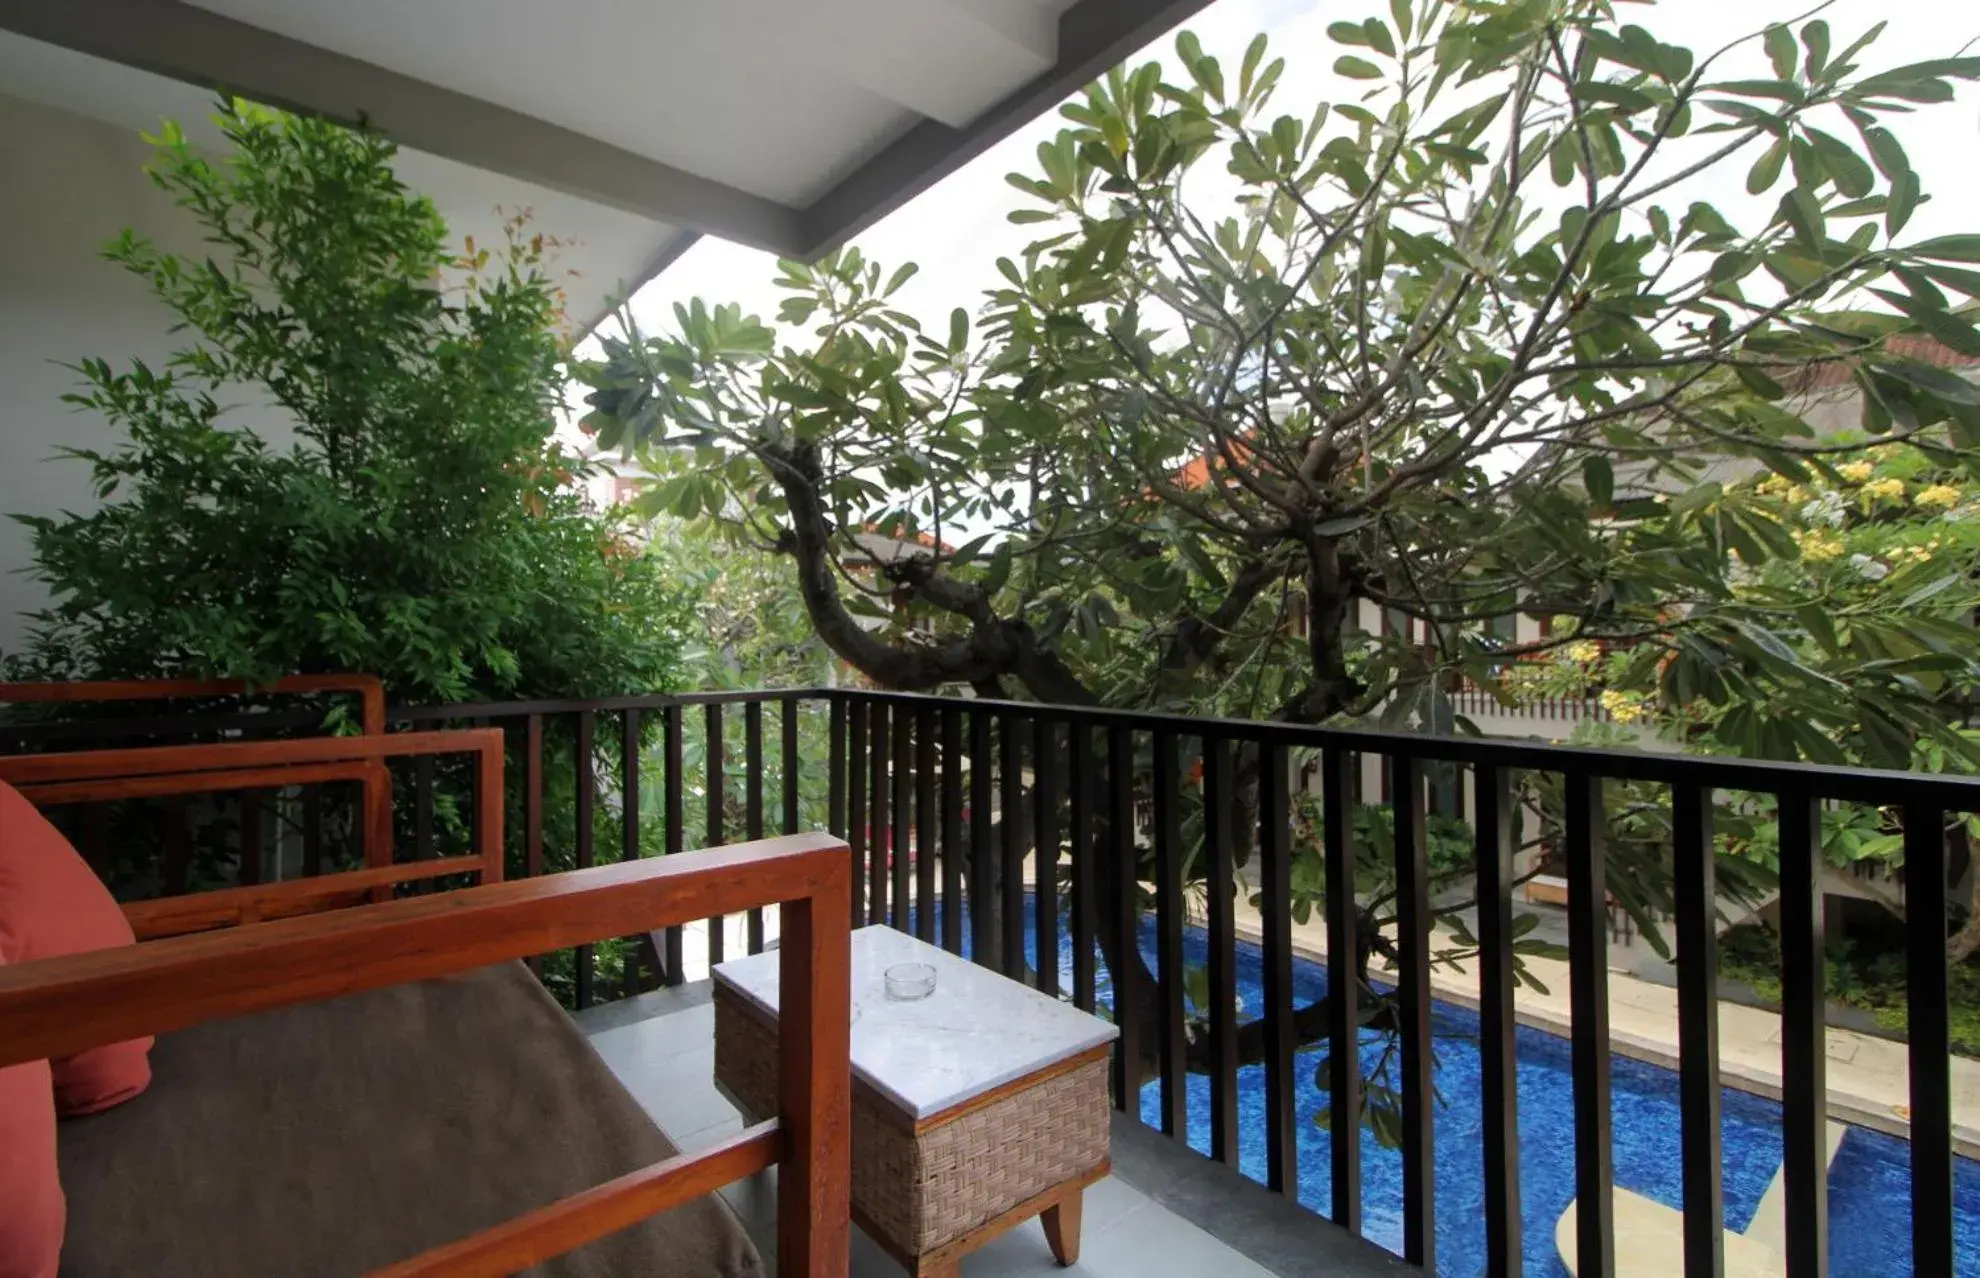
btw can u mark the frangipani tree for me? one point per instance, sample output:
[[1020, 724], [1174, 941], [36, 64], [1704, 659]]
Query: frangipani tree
[[1458, 347]]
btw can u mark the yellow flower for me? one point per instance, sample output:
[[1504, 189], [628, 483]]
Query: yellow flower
[[1818, 546], [1796, 494], [1623, 707], [1884, 489], [1772, 484], [1941, 495], [1856, 472], [1585, 651]]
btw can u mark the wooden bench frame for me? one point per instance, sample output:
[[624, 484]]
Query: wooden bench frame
[[56, 1007], [74, 776], [371, 775]]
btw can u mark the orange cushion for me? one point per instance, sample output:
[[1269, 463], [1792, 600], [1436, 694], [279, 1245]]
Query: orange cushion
[[32, 1210], [52, 904]]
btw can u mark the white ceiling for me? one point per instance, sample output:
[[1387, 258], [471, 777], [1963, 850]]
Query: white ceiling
[[630, 126], [607, 248], [779, 98]]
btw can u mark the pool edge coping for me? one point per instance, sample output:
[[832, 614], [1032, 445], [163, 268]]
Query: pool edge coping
[[1841, 1107]]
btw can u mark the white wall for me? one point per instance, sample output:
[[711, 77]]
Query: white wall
[[70, 184]]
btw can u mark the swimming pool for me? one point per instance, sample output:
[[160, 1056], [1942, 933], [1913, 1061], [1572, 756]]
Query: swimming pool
[[1869, 1181]]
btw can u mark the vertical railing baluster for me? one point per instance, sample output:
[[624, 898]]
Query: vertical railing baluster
[[926, 823], [952, 841], [673, 786], [1928, 1026], [629, 785], [423, 808], [1281, 1036], [1413, 998], [312, 830], [1343, 986], [586, 795], [835, 775], [793, 798], [533, 811], [1124, 923], [533, 797], [251, 850], [1167, 791], [878, 826], [901, 845], [95, 833], [1220, 892], [1695, 900], [1045, 764], [1492, 829], [1080, 839], [1588, 999], [1804, 1039], [1011, 807], [718, 801], [982, 842], [753, 806], [859, 822], [172, 844], [629, 831]]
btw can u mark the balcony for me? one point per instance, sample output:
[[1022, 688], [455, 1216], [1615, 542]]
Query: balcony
[[1441, 1116]]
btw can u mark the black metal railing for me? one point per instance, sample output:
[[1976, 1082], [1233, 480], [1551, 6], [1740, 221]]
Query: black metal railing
[[964, 815]]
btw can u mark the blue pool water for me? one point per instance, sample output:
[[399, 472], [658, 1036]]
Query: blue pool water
[[1869, 1182]]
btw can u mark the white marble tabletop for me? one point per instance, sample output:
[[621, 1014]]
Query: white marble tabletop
[[976, 1032]]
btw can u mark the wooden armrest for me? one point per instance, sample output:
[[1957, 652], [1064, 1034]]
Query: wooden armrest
[[56, 1007], [371, 692]]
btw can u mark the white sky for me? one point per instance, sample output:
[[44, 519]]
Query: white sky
[[957, 230]]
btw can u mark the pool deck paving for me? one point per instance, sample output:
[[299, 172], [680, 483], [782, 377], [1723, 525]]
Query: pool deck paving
[[1868, 1077]]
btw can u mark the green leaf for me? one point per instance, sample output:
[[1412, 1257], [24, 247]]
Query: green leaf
[[1950, 248], [1379, 38], [1354, 68], [1253, 55], [1815, 36], [1949, 387], [1901, 203], [1801, 212], [1851, 173], [1781, 51], [1600, 480], [901, 276], [1767, 169], [1348, 33], [1758, 382]]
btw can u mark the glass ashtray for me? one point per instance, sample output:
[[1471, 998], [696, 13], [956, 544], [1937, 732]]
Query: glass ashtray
[[908, 982]]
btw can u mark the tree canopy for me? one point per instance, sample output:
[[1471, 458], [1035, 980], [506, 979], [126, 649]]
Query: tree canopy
[[1463, 346], [1459, 347]]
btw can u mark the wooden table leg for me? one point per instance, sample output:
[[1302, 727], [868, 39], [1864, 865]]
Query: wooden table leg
[[1061, 1221]]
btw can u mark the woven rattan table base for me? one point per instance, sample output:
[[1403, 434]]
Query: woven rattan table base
[[923, 1186]]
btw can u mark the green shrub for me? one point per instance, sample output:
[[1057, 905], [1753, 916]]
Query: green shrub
[[424, 525], [1870, 982]]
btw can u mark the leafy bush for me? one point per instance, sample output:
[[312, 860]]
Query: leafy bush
[[1873, 982], [424, 525]]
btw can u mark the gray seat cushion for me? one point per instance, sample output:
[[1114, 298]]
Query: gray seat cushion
[[336, 1137]]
